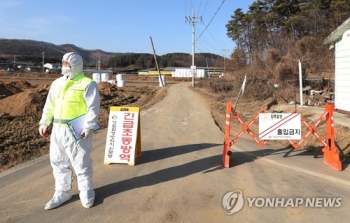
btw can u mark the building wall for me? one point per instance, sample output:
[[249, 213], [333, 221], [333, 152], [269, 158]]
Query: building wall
[[342, 76], [185, 72], [142, 73], [48, 65], [154, 73], [52, 66]]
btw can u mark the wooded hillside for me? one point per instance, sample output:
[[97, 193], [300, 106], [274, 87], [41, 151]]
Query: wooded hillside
[[273, 35], [30, 50], [270, 37], [168, 60]]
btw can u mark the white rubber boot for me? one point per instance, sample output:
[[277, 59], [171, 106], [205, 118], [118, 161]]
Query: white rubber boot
[[58, 198], [87, 198]]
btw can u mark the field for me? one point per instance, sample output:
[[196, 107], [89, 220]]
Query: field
[[22, 97]]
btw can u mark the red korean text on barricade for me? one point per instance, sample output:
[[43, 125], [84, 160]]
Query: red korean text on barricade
[[128, 125]]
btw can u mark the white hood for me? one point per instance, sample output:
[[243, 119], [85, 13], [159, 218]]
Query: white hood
[[76, 62]]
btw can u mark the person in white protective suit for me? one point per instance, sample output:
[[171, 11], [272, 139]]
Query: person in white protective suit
[[69, 97]]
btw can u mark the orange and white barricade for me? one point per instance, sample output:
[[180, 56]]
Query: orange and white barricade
[[331, 155]]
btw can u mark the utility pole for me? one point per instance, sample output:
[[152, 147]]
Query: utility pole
[[43, 61], [192, 19], [14, 61], [224, 50], [301, 83], [208, 68], [99, 63]]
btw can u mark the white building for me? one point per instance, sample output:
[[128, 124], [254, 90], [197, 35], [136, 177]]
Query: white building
[[52, 68], [340, 39]]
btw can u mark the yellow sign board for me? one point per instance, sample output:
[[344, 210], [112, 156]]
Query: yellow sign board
[[123, 143]]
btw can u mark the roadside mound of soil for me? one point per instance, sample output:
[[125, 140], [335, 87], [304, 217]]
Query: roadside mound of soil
[[27, 103], [12, 87], [21, 105]]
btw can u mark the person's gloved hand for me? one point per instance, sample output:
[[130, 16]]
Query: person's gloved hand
[[86, 133], [42, 130]]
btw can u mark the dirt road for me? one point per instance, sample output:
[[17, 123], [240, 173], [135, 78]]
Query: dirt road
[[180, 177]]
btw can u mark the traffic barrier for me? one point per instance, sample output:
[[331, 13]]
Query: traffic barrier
[[330, 153], [227, 153]]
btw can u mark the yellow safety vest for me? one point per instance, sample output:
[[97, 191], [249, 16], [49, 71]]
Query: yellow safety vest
[[69, 99]]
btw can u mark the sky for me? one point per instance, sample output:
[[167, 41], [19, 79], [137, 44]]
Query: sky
[[122, 26]]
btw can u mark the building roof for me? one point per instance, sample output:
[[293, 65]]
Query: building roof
[[90, 71], [54, 64], [23, 62], [336, 34]]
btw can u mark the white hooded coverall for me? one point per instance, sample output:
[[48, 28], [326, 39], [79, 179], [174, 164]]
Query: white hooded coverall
[[64, 149]]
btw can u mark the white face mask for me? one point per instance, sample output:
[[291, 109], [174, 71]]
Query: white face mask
[[67, 72]]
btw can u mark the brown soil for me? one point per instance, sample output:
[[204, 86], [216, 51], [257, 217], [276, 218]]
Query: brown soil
[[22, 97]]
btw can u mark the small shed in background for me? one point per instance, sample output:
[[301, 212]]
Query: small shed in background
[[340, 39], [52, 66]]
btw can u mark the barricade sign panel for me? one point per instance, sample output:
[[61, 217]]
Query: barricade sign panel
[[279, 126], [123, 141], [286, 126]]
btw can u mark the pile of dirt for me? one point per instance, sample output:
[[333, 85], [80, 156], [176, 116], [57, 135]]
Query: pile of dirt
[[27, 103], [21, 108], [12, 87]]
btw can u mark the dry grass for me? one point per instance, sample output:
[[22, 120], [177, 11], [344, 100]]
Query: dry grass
[[258, 96]]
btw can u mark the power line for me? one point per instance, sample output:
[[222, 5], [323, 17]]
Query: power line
[[208, 43], [204, 44], [200, 49], [205, 7], [213, 37], [199, 9], [211, 19], [176, 35], [193, 19]]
